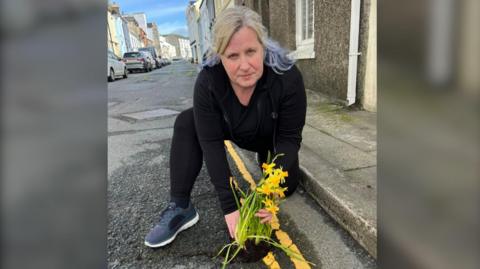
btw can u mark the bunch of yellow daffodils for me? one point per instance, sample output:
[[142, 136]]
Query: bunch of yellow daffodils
[[268, 194]]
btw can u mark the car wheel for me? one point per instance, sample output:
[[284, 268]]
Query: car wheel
[[125, 73], [111, 76]]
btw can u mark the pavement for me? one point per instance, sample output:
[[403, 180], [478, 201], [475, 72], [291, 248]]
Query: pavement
[[338, 159]]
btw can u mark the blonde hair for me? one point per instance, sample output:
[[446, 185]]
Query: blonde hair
[[230, 21]]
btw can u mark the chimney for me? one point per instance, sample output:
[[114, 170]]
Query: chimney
[[115, 8]]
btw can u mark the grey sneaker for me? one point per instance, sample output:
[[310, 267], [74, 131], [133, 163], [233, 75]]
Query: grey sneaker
[[172, 221]]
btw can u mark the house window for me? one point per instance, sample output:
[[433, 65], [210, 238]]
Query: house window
[[304, 29]]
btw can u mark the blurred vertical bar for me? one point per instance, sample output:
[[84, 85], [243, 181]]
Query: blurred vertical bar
[[54, 129], [439, 50], [469, 21], [428, 134]]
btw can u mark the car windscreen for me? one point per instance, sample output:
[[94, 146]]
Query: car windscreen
[[132, 55]]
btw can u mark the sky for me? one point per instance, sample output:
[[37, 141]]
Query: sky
[[168, 14]]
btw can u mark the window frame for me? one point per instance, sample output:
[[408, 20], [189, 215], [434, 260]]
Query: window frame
[[304, 47]]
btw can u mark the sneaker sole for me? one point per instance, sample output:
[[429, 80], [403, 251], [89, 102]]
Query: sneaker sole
[[169, 240]]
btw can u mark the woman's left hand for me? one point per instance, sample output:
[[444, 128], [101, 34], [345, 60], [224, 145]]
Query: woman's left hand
[[265, 215], [232, 221]]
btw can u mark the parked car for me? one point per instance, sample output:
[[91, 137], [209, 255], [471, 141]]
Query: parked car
[[115, 67], [164, 61], [159, 62], [151, 59], [154, 54], [138, 60]]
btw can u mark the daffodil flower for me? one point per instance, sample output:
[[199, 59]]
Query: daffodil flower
[[281, 192], [265, 189], [268, 168], [274, 179], [270, 206], [281, 175]]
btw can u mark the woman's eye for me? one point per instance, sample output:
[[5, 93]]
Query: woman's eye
[[250, 52], [232, 56]]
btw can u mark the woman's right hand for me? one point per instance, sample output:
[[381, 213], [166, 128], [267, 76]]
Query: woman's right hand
[[264, 215]]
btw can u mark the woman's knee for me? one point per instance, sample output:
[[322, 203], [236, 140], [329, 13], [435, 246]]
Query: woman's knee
[[293, 179], [291, 184], [185, 122]]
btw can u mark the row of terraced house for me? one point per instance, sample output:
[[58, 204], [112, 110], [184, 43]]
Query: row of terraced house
[[129, 32]]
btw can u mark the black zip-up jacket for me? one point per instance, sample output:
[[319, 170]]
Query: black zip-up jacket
[[273, 120]]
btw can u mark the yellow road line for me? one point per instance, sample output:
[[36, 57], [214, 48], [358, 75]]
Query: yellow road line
[[240, 165], [282, 236], [285, 240], [270, 261]]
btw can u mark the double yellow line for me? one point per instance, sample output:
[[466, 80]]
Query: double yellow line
[[282, 236]]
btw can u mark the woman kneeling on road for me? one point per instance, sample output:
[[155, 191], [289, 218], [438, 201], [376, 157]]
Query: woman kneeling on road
[[248, 92]]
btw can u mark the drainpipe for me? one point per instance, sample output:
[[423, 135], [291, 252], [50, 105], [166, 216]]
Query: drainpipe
[[353, 52]]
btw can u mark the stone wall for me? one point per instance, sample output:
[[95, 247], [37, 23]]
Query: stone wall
[[327, 73]]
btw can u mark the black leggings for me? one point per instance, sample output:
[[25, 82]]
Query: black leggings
[[186, 159]]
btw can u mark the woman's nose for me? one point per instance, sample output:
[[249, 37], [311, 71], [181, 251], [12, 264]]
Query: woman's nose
[[244, 65]]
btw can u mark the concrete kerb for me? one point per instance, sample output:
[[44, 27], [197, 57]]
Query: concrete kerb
[[355, 225]]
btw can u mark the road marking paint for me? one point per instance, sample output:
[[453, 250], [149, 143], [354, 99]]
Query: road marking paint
[[240, 165], [270, 261], [282, 236], [275, 223], [285, 240]]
